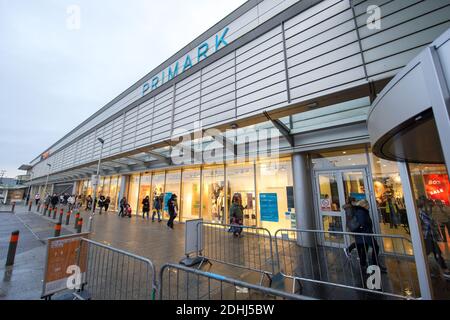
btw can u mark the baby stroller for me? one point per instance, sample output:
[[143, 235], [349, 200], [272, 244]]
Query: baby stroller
[[235, 228], [128, 211]]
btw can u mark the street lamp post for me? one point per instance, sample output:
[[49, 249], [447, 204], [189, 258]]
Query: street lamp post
[[31, 182], [91, 218], [46, 181]]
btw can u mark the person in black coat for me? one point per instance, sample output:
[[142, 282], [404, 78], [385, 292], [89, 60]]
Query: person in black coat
[[145, 207], [106, 203], [363, 243], [55, 200], [173, 210]]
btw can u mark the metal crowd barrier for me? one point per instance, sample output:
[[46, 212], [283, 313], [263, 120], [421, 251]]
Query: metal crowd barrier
[[177, 282], [311, 259], [114, 274], [252, 250]]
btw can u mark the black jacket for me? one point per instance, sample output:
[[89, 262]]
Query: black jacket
[[362, 215], [146, 204], [55, 200]]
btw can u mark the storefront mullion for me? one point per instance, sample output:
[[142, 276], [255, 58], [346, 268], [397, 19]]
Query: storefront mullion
[[133, 192]]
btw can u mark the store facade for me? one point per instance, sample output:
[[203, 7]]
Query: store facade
[[418, 137], [282, 101]]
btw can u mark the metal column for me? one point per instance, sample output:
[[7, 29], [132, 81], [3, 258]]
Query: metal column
[[423, 272], [303, 197]]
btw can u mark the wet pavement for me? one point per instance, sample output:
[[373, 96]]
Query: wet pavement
[[152, 240], [23, 280]]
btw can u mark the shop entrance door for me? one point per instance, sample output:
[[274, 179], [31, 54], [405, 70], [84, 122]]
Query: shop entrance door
[[333, 188]]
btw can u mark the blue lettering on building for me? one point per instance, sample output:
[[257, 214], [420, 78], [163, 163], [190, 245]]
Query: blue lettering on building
[[202, 52], [155, 82], [173, 70], [221, 40], [187, 63], [172, 73]]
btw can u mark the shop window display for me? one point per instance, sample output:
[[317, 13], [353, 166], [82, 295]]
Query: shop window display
[[144, 190], [241, 180], [172, 186], [133, 193], [190, 194], [274, 183], [158, 179], [213, 194], [390, 203], [431, 190], [114, 192]]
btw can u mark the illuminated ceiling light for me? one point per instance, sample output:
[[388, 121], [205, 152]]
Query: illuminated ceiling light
[[344, 152]]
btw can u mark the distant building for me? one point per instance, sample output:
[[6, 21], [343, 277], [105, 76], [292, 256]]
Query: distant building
[[12, 190]]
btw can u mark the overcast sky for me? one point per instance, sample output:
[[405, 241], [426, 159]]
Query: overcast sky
[[53, 77]]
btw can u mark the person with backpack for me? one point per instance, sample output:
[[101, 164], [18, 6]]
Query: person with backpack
[[350, 222], [173, 210], [145, 207], [236, 215], [106, 203], [364, 242], [101, 203], [157, 206], [122, 204]]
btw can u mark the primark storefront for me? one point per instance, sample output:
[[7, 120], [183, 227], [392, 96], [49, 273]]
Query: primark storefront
[[277, 102]]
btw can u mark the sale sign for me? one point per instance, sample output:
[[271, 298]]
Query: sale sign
[[437, 187]]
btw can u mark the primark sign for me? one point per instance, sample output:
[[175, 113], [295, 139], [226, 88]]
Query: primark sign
[[207, 48]]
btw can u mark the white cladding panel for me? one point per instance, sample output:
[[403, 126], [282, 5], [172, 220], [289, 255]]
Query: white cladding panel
[[322, 50]]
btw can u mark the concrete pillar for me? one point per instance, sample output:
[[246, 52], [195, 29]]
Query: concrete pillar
[[304, 209]]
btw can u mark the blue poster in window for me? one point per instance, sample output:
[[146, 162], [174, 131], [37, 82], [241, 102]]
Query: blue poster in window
[[167, 197], [268, 207], [358, 196]]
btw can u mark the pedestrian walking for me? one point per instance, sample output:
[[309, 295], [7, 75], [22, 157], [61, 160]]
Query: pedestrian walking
[[123, 203], [88, 202], [71, 202], [146, 207], [157, 206], [101, 203], [431, 236], [236, 215], [37, 198], [173, 210], [54, 201], [106, 204], [351, 223], [365, 242]]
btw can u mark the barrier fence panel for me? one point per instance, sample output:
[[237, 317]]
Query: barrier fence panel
[[114, 274], [252, 249], [177, 282], [311, 258]]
